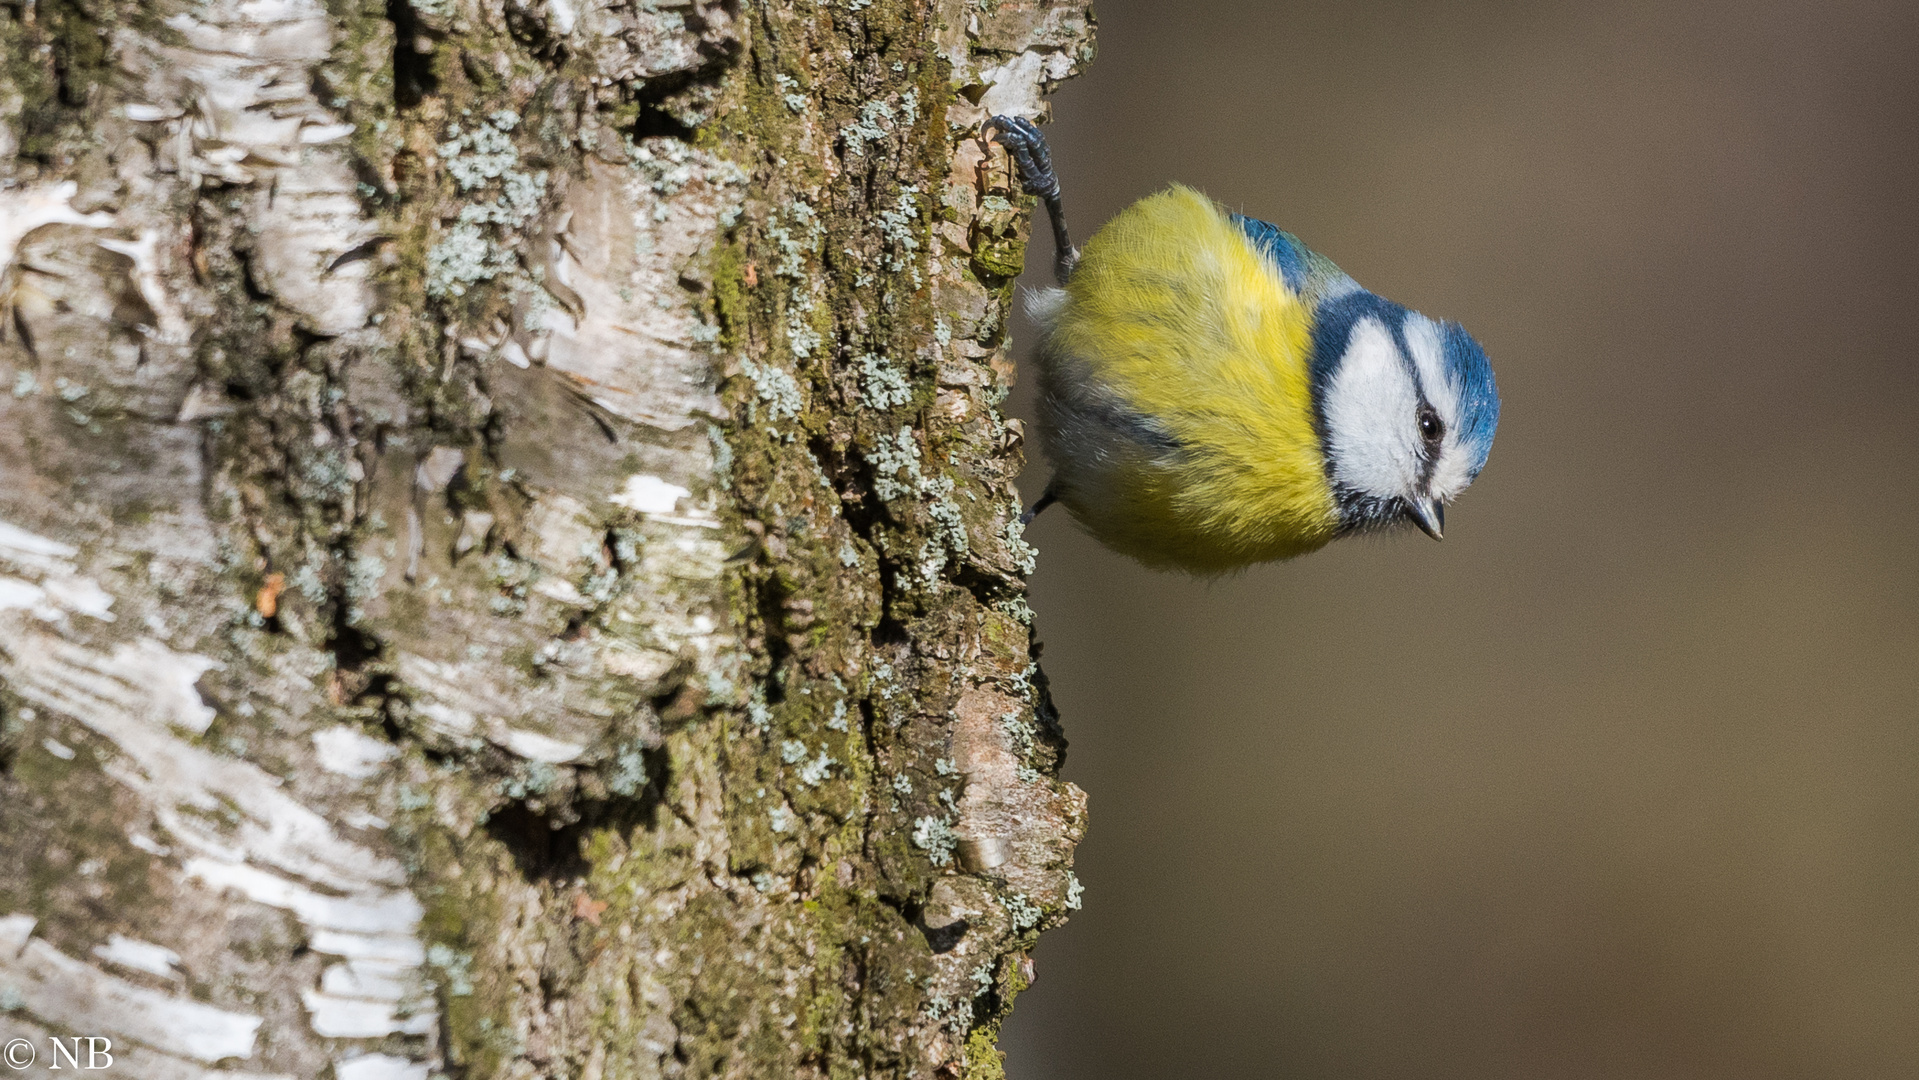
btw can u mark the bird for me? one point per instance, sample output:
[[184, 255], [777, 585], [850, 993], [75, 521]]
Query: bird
[[1215, 394]]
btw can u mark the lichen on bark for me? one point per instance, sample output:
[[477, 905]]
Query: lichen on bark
[[511, 501]]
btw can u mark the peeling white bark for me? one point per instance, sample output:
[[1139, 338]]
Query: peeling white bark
[[141, 697], [138, 955], [236, 103], [129, 1059], [226, 101], [53, 985], [24, 210], [630, 233]]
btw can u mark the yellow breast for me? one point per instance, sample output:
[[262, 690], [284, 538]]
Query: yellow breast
[[1173, 317]]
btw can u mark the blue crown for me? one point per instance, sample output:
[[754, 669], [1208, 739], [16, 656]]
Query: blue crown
[[1467, 366]]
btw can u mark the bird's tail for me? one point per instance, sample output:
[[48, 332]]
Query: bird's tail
[[1046, 499]]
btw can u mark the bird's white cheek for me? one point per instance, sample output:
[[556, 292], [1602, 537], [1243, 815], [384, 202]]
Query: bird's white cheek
[[1370, 403], [1452, 473]]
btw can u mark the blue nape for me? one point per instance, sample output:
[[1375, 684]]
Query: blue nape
[[1278, 245], [1333, 323]]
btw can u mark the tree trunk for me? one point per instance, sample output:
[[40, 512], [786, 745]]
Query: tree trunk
[[508, 556]]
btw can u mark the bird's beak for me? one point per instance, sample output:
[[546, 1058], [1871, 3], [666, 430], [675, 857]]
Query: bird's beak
[[1429, 515]]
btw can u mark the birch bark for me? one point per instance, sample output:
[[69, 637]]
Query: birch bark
[[508, 558]]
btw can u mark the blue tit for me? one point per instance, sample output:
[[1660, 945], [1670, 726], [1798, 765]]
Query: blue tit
[[1213, 393]]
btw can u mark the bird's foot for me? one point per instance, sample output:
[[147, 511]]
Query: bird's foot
[[1035, 165], [1030, 155]]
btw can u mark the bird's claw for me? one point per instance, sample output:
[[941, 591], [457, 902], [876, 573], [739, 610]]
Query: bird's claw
[[1035, 165], [1030, 154]]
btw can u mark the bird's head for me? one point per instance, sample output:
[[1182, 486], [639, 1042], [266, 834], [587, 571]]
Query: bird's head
[[1406, 408]]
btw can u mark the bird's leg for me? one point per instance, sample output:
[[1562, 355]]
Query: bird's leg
[[1035, 164]]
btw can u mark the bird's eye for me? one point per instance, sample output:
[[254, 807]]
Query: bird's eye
[[1431, 427]]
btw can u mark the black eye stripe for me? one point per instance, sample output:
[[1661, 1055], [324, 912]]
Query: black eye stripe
[[1432, 428], [1432, 431]]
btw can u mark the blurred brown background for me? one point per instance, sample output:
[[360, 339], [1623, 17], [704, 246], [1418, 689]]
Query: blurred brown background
[[1622, 780]]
